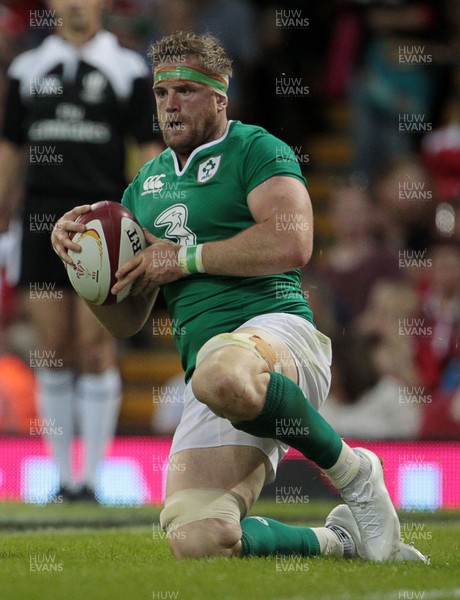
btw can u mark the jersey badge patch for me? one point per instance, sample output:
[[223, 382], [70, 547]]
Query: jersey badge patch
[[208, 168]]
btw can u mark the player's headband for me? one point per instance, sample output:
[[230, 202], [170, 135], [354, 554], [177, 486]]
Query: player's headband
[[217, 83]]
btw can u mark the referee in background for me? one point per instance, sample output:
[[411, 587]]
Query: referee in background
[[70, 105]]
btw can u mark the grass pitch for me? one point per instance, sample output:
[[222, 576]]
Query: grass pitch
[[90, 552]]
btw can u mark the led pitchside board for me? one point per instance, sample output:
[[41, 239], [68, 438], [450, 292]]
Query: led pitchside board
[[419, 475]]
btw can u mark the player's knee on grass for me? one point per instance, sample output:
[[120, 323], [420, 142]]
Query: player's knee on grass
[[230, 382], [208, 537], [203, 522]]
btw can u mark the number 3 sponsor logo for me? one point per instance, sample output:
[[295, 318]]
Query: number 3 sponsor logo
[[174, 219]]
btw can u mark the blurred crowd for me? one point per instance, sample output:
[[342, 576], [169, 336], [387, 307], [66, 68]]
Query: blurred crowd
[[385, 285]]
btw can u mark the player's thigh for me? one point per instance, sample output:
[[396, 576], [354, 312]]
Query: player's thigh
[[50, 312], [96, 348], [282, 353], [232, 379]]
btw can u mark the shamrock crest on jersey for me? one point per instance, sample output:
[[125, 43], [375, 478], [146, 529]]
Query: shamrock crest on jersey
[[208, 168]]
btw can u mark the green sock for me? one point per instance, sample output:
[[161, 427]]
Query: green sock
[[266, 537], [289, 417]]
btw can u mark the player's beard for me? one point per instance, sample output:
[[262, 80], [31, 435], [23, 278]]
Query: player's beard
[[195, 133]]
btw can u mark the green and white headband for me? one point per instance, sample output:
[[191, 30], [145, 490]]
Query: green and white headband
[[217, 83]]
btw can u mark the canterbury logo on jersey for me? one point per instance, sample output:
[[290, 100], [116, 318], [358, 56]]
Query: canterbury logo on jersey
[[208, 168], [153, 184]]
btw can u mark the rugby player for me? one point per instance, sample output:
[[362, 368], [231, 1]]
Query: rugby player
[[224, 253]]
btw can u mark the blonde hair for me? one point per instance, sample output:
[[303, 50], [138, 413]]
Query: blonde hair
[[181, 45]]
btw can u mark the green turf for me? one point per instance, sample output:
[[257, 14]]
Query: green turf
[[89, 553]]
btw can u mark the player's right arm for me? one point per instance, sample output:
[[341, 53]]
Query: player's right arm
[[123, 319], [128, 316]]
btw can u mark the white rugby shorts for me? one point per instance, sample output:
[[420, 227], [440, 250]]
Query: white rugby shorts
[[201, 428]]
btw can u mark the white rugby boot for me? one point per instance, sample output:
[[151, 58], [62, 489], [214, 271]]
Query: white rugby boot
[[371, 505], [410, 552], [342, 518]]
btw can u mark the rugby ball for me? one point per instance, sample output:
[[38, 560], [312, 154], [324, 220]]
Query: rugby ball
[[112, 237]]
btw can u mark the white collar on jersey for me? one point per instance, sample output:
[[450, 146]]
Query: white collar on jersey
[[180, 172]]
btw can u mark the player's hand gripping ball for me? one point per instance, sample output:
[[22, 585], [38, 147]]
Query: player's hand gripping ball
[[112, 237]]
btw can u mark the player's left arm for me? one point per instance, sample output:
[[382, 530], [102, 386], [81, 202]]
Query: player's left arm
[[280, 240]]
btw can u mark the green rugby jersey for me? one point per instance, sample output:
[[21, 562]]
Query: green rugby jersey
[[204, 202]]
